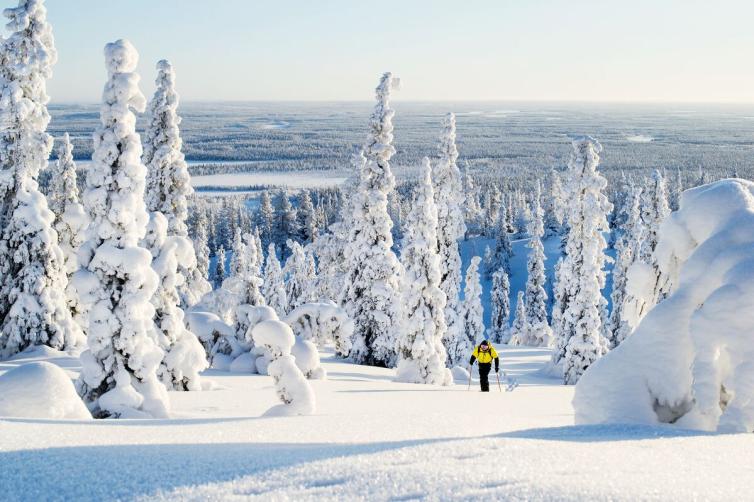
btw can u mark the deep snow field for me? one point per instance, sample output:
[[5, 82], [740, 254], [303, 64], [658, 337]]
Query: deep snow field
[[371, 438]]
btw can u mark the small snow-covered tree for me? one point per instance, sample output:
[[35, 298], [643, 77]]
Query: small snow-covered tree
[[290, 383], [449, 200], [473, 312], [266, 218], [201, 244], [538, 332], [501, 307], [581, 273], [631, 235], [519, 328], [119, 368], [183, 356], [219, 274], [168, 179], [372, 280], [421, 351], [501, 257], [554, 206], [307, 222], [300, 276], [33, 279], [285, 225], [71, 220], [273, 286]]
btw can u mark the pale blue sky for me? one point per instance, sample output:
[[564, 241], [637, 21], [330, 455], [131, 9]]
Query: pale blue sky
[[631, 50]]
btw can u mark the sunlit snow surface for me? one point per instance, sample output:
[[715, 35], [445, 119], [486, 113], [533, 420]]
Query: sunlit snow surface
[[371, 439]]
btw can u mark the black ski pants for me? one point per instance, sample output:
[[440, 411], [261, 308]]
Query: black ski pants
[[484, 373]]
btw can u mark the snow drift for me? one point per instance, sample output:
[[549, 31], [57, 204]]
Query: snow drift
[[691, 359], [40, 390]]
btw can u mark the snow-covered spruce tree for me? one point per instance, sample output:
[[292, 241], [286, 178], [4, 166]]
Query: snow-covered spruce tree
[[581, 273], [472, 208], [473, 313], [501, 307], [307, 222], [554, 206], [285, 225], [519, 328], [491, 211], [168, 179], [372, 280], [71, 220], [273, 286], [33, 280], [219, 273], [449, 199], [119, 368], [183, 356], [501, 257], [201, 244], [299, 276], [266, 218], [421, 352], [654, 210], [538, 332], [631, 234]]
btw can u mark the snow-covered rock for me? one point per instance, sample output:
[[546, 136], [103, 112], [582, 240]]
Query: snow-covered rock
[[691, 359], [40, 390], [307, 359]]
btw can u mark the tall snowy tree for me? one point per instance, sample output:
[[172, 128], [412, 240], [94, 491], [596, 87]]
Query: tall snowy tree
[[168, 179], [184, 356], [420, 344], [285, 225], [71, 220], [300, 276], [554, 206], [472, 208], [273, 286], [581, 273], [119, 368], [33, 280], [654, 210], [518, 330], [201, 244], [538, 332], [307, 222], [624, 317], [266, 218], [219, 273], [501, 257], [473, 313], [449, 199], [501, 307], [372, 280]]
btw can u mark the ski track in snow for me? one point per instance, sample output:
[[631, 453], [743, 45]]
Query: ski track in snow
[[371, 438]]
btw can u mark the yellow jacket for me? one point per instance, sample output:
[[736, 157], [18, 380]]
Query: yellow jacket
[[484, 357]]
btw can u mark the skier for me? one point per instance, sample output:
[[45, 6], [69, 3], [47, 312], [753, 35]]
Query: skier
[[484, 353]]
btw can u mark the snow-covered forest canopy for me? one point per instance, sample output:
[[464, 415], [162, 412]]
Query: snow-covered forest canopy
[[169, 261]]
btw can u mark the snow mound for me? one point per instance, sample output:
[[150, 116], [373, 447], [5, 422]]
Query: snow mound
[[307, 359], [40, 390], [691, 359], [243, 364], [460, 375]]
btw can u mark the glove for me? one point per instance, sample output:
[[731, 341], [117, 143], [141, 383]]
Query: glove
[[497, 370]]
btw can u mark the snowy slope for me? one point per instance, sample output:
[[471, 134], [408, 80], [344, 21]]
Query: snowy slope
[[370, 438]]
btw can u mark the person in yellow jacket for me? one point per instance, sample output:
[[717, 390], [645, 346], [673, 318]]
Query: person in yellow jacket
[[485, 353]]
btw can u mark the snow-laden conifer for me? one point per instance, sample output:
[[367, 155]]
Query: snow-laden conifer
[[273, 286], [372, 280], [201, 244], [307, 222], [519, 328], [119, 368], [421, 352], [449, 199], [183, 356], [538, 332], [300, 276], [219, 272], [168, 179], [501, 256], [500, 306], [473, 312], [33, 280], [266, 218], [581, 273]]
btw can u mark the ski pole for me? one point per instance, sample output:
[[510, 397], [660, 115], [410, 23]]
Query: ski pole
[[469, 379], [497, 374]]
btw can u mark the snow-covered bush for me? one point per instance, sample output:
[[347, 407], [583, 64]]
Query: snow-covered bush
[[321, 323], [290, 383], [33, 309], [116, 284], [690, 361], [273, 285], [208, 328], [307, 359]]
